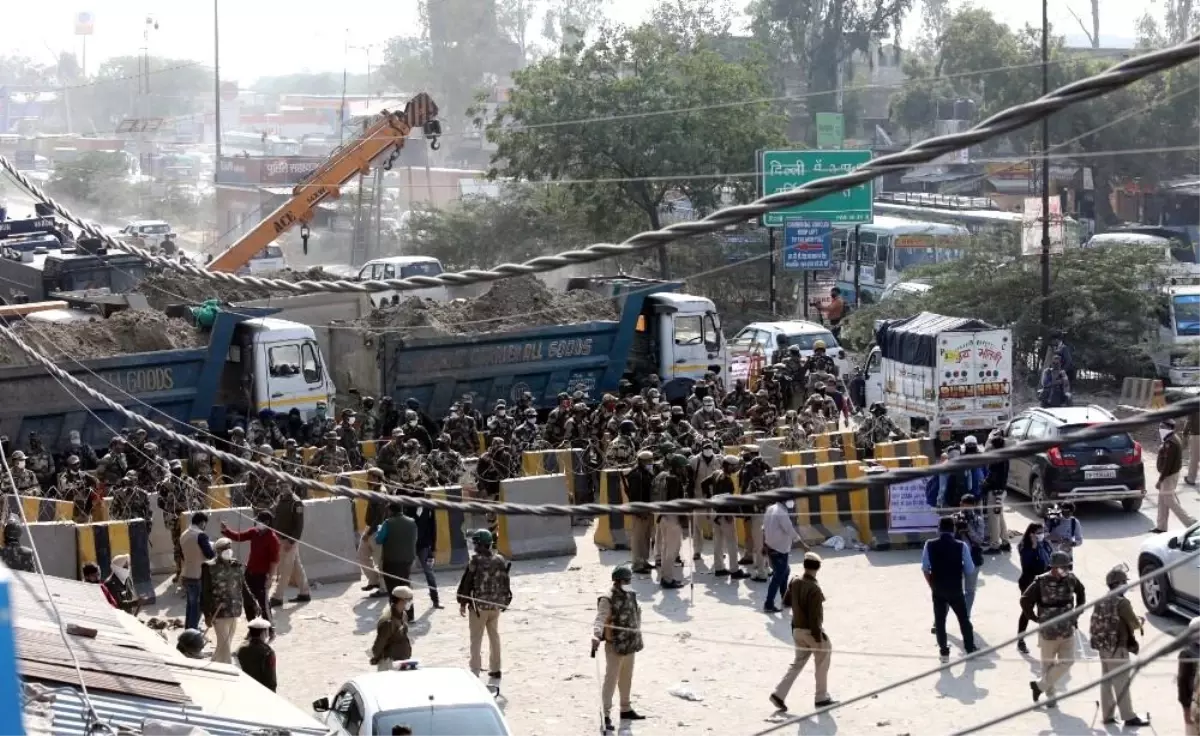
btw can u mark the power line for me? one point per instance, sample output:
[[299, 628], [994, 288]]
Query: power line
[[1118, 76]]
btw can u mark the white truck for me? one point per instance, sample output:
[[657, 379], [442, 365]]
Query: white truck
[[947, 377]]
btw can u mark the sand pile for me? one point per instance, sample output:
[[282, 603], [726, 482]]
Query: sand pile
[[511, 304], [174, 287], [123, 333]]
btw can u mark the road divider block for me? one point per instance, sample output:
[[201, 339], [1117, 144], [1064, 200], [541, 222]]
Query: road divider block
[[36, 508], [611, 529], [906, 448], [810, 457], [99, 542], [824, 514], [523, 537], [57, 547], [329, 552], [771, 449], [1140, 394], [453, 549], [913, 461], [841, 440]]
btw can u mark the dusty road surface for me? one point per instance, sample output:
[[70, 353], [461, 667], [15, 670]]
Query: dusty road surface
[[714, 643]]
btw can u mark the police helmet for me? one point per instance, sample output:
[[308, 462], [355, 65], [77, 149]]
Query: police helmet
[[331, 435], [482, 537], [12, 530], [190, 643], [1119, 575], [531, 413], [878, 408], [18, 456], [645, 456], [622, 574], [627, 426], [793, 350], [819, 345]]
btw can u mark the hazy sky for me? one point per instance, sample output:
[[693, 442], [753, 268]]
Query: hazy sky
[[267, 37]]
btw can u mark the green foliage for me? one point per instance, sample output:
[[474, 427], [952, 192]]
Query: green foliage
[[97, 178], [625, 153], [1103, 299], [524, 222]]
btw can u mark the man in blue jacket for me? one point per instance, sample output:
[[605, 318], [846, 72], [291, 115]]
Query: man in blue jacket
[[946, 562]]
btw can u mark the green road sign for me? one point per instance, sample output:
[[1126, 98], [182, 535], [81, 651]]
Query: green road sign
[[784, 171], [831, 130]]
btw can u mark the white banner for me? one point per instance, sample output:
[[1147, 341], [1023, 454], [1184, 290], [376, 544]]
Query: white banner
[[1031, 226], [908, 511]]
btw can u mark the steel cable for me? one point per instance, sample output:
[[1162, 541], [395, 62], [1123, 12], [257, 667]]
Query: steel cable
[[1013, 118]]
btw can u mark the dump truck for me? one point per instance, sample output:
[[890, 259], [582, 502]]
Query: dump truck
[[658, 330], [252, 361]]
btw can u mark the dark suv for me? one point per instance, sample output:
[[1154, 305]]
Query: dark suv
[[1108, 469]]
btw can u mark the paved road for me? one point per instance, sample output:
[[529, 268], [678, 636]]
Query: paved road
[[715, 641]]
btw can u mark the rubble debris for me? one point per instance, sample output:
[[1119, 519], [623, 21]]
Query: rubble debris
[[175, 287], [511, 304], [121, 334]]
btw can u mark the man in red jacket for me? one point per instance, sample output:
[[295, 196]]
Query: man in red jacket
[[264, 558]]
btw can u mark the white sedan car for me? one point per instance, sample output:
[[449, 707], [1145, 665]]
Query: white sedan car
[[1177, 591], [440, 701]]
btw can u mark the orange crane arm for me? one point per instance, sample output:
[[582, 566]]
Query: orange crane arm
[[325, 182]]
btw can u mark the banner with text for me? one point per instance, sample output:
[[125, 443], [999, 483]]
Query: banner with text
[[907, 510], [808, 245]]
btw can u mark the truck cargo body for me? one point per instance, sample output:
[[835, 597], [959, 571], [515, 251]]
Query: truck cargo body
[[945, 376], [659, 331], [225, 381]]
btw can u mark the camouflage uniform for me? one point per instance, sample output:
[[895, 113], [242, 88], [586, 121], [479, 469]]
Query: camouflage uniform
[[447, 466], [41, 462], [763, 416], [624, 628], [26, 483], [795, 439], [555, 432], [656, 442], [130, 501], [494, 466], [740, 400], [330, 459], [153, 472], [200, 465], [261, 489], [412, 469], [222, 596], [387, 456], [526, 437], [621, 453], [265, 432], [76, 486], [874, 429], [177, 496], [821, 363], [17, 557], [729, 433], [463, 434], [499, 426], [485, 583], [368, 422]]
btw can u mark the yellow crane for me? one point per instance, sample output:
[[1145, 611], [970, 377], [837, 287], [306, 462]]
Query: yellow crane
[[390, 131]]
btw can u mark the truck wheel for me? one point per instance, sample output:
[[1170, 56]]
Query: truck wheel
[[1154, 590], [1037, 496], [1130, 505]]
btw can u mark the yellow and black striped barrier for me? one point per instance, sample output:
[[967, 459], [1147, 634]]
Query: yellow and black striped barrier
[[810, 457], [37, 509], [99, 542], [905, 448], [581, 479], [452, 548], [879, 500], [611, 530], [841, 440], [823, 514]]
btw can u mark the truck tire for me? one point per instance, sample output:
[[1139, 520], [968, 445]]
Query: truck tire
[[1155, 591], [1130, 505]]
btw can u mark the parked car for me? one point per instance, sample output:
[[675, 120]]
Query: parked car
[[439, 701], [774, 338], [1177, 590], [1109, 468]]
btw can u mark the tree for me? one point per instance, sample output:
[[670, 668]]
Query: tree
[[1093, 34], [567, 22], [637, 142], [98, 178], [819, 39]]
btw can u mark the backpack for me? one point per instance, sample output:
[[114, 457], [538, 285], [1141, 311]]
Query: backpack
[[1106, 625], [932, 485]]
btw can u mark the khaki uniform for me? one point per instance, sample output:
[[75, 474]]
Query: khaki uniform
[[619, 625]]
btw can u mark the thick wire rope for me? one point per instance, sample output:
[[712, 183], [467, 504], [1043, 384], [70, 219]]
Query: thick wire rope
[[1013, 118], [93, 721], [964, 462]]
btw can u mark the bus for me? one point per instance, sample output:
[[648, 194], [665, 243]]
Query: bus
[[260, 144], [976, 214], [888, 247]]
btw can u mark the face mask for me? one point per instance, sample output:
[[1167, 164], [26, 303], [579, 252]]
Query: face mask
[[501, 413], [531, 422], [791, 505], [1039, 538], [122, 573], [259, 525], [75, 442], [226, 554], [412, 422], [20, 465], [1163, 432], [320, 413], [707, 454]]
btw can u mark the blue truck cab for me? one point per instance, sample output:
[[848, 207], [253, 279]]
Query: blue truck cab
[[253, 361], [659, 330]]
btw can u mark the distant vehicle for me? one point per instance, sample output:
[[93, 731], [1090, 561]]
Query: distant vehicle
[[1174, 353], [1179, 256], [403, 267], [35, 275], [149, 231], [439, 701], [902, 289], [1110, 467], [268, 259], [889, 246], [977, 214], [1177, 591], [774, 338]]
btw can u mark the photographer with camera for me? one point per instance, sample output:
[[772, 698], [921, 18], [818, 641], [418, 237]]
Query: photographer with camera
[[970, 528], [1063, 530]]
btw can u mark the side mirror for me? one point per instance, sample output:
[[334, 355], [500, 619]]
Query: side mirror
[[321, 705], [1173, 543]]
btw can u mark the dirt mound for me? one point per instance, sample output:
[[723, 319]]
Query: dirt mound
[[511, 304], [123, 333]]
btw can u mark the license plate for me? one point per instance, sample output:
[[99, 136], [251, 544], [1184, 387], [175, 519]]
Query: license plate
[[1099, 474], [978, 422]]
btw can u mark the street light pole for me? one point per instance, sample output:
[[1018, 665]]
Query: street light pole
[[217, 90], [1045, 178]]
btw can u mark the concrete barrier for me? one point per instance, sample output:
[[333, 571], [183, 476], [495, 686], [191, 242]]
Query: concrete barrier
[[611, 531], [771, 449], [331, 546], [100, 542], [38, 509], [368, 448], [913, 461], [907, 448], [582, 480], [841, 440], [220, 496], [879, 502], [810, 457], [57, 547], [821, 515], [358, 479], [162, 549], [452, 548], [535, 537], [1142, 393]]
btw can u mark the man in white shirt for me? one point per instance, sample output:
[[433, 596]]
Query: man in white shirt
[[779, 536], [703, 465]]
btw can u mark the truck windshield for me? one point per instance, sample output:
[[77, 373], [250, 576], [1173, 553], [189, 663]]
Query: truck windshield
[[1187, 314], [477, 720]]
